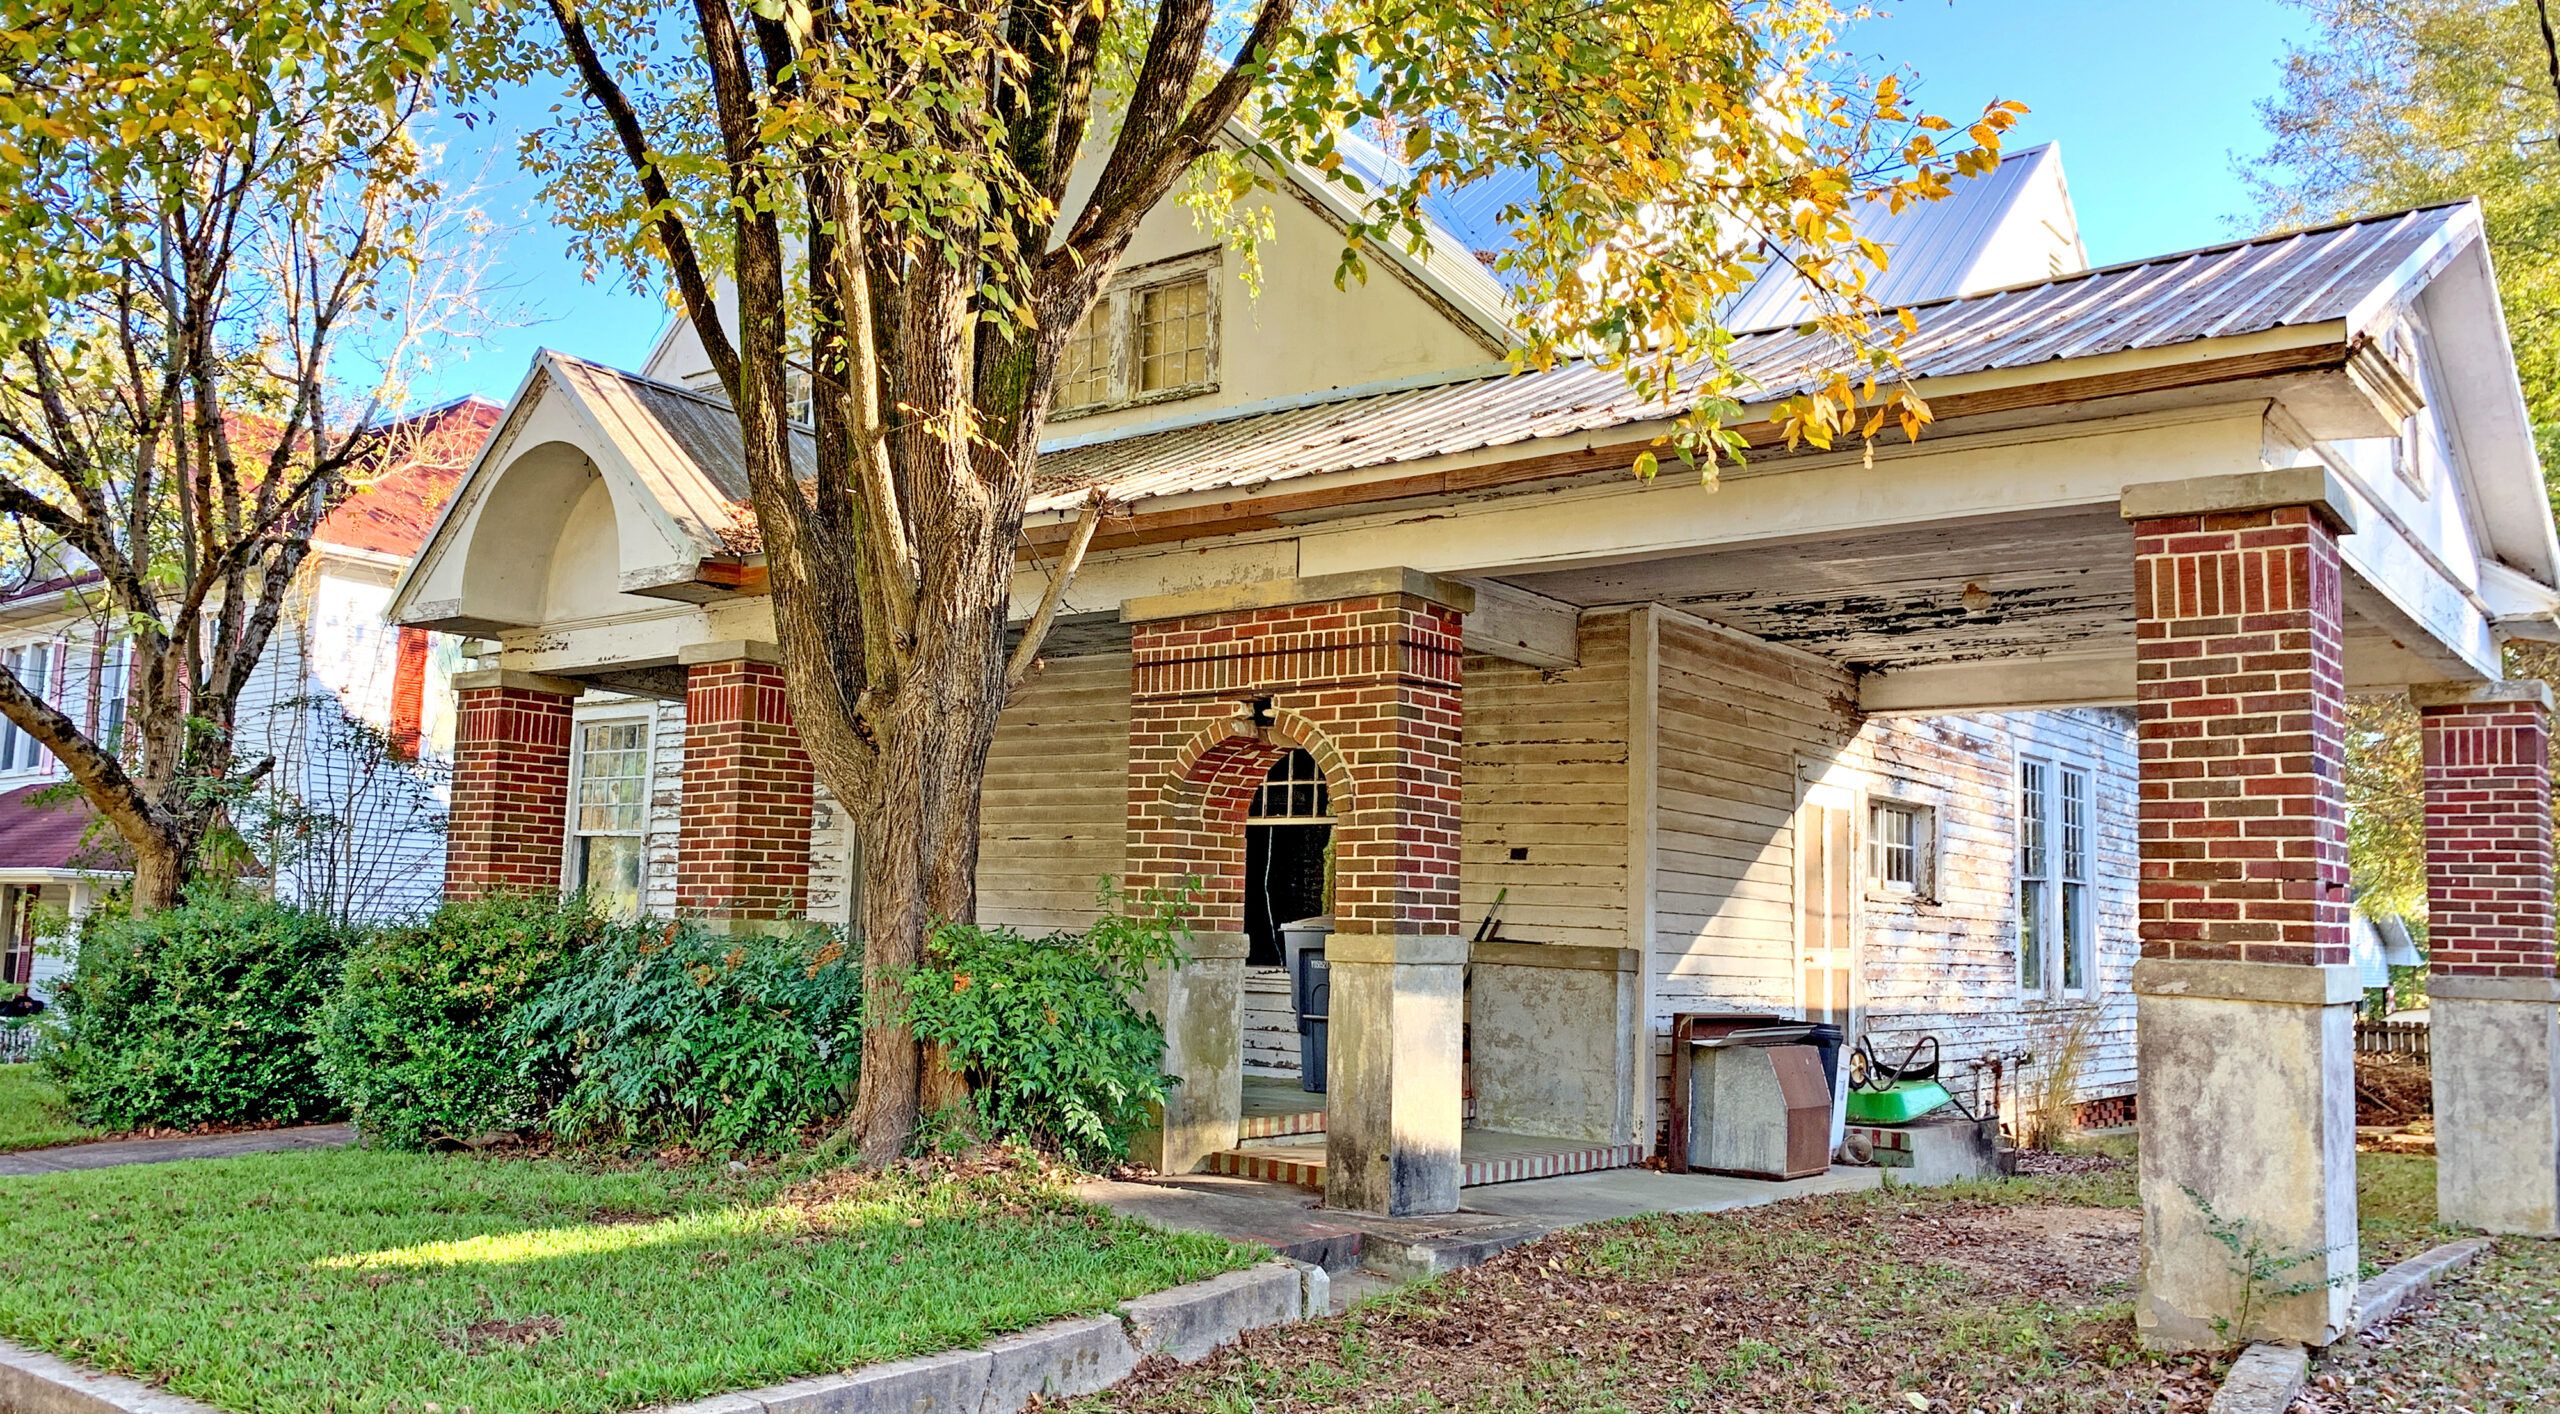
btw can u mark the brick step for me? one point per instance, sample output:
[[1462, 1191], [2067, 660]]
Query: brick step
[[1281, 1126], [1302, 1165]]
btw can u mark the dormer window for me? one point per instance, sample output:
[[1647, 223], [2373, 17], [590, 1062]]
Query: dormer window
[[1152, 337]]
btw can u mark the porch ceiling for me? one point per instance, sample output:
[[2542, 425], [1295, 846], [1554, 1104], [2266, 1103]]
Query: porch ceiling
[[1917, 597], [2027, 610]]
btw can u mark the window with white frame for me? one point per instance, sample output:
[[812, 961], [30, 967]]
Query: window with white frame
[[114, 679], [33, 665], [1901, 849], [609, 813], [2056, 841], [1151, 337]]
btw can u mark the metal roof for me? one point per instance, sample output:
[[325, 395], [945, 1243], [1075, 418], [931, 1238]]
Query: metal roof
[[2291, 279], [686, 444]]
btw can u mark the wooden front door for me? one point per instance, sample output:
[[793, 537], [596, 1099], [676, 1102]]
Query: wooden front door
[[1826, 908]]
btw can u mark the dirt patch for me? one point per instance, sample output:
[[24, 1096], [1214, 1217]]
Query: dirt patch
[[1890, 1301], [2393, 1090], [480, 1337]]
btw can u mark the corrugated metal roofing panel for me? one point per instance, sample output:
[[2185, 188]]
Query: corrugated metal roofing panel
[[2305, 277], [686, 444]]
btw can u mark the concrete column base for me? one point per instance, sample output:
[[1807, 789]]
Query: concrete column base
[[2496, 1045], [1395, 1079], [1201, 1004], [2248, 1110]]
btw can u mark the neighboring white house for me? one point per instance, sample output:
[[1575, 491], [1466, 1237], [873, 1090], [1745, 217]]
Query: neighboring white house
[[337, 680]]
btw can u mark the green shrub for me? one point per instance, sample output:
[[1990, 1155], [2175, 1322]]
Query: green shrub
[[415, 1041], [1045, 1029], [669, 1033], [199, 1014]]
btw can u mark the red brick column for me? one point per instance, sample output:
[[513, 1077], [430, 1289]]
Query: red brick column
[[510, 784], [2493, 995], [1368, 685], [2489, 860], [2244, 1003], [742, 852], [2240, 678], [1363, 672]]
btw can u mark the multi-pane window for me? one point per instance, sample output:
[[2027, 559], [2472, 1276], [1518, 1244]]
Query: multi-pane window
[[1084, 365], [1152, 339], [33, 665], [609, 813], [2057, 934], [1173, 335], [115, 684], [1900, 848], [2074, 936], [1294, 790], [2035, 872]]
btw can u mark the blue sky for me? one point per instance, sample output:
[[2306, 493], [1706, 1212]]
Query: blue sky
[[2150, 99]]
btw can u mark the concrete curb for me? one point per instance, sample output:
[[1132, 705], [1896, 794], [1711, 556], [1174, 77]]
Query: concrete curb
[[32, 1382], [1062, 1359], [2263, 1380], [2381, 1298]]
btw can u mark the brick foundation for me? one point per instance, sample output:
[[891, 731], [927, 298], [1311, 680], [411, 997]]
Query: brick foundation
[[2241, 686], [510, 785], [2489, 857], [742, 852]]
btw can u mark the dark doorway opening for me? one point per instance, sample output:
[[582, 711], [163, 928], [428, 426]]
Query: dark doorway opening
[[1288, 853]]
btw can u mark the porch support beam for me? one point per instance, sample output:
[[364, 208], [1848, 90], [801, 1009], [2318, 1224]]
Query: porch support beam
[[1518, 626], [1999, 685], [2244, 998], [2493, 991]]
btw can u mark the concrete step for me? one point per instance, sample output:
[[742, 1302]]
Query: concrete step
[[1488, 1158]]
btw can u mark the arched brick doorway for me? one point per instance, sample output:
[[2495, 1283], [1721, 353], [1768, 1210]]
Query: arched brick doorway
[[1362, 673]]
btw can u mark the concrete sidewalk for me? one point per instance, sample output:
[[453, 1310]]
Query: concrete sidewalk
[[1490, 1219], [113, 1153]]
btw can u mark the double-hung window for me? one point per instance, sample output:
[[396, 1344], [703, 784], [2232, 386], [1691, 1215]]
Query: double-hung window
[[1901, 850], [33, 664], [2056, 838], [609, 813]]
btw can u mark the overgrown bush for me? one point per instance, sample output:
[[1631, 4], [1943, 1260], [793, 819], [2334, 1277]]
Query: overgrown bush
[[415, 1038], [669, 1033], [199, 1014], [1046, 1030]]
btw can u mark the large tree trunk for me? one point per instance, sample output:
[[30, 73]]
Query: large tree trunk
[[918, 834], [160, 869]]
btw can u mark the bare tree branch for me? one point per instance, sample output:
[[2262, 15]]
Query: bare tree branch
[[1027, 651]]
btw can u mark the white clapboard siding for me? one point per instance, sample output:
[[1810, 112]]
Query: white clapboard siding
[[666, 806], [1736, 726], [1543, 809], [1054, 822], [1732, 720], [1949, 967], [332, 646]]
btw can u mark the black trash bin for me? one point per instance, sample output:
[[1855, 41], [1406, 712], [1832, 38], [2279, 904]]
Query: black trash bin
[[1315, 993]]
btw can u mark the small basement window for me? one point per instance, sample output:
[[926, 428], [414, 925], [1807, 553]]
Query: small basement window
[[1901, 849]]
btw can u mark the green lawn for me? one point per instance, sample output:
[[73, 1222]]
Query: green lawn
[[31, 1113], [348, 1279]]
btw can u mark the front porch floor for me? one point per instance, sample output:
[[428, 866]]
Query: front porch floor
[[1485, 1156]]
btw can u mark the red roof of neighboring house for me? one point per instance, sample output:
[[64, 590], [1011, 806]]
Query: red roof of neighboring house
[[391, 514], [46, 835]]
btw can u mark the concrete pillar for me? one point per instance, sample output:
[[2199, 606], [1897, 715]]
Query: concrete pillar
[[1201, 1004], [1395, 1101], [2244, 996], [510, 784], [2493, 999], [1363, 672], [742, 849]]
